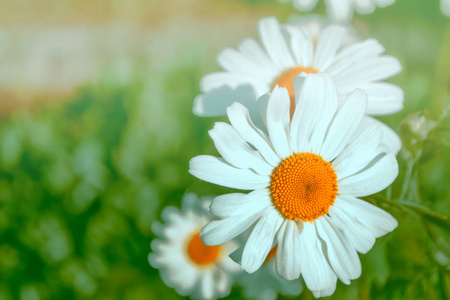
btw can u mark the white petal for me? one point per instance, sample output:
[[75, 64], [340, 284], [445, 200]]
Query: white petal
[[342, 256], [240, 119], [253, 51], [218, 232], [302, 46], [207, 285], [215, 102], [260, 241], [327, 46], [369, 70], [236, 151], [233, 61], [340, 10], [372, 180], [359, 235], [274, 42], [390, 138], [344, 125], [314, 100], [360, 151], [287, 259], [378, 220], [305, 4], [238, 204], [384, 98], [233, 80], [316, 271], [278, 120], [216, 170]]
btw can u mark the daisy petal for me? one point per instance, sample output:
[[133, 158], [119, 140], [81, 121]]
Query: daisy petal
[[372, 180], [378, 220], [218, 232], [215, 102], [361, 150], [384, 98], [207, 285], [233, 80], [343, 257], [236, 151], [328, 44], [238, 204], [315, 100], [278, 120], [344, 125], [274, 42], [368, 70], [316, 271], [302, 46], [260, 241], [233, 61], [288, 260], [359, 235], [390, 138], [216, 170], [253, 51], [240, 119]]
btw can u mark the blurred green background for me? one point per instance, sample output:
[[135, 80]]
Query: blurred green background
[[96, 132]]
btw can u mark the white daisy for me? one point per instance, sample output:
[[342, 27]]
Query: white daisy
[[185, 263], [342, 10], [305, 176], [252, 71], [265, 284]]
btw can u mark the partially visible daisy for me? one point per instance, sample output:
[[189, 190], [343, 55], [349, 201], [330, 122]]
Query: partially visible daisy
[[252, 71], [445, 7], [305, 177], [185, 263], [265, 284], [342, 10]]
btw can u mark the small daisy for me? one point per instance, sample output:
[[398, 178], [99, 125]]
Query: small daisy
[[305, 176], [342, 10], [252, 71], [184, 262], [265, 284]]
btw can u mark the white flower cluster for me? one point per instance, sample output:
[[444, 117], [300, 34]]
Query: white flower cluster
[[304, 143]]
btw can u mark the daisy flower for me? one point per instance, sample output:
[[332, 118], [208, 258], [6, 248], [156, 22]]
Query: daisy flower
[[304, 176], [252, 71], [184, 261], [342, 10]]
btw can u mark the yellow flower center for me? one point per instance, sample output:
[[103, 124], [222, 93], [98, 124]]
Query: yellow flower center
[[286, 81], [201, 254], [304, 187]]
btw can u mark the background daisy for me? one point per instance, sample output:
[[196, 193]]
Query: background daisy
[[184, 262], [287, 51], [305, 177], [342, 10]]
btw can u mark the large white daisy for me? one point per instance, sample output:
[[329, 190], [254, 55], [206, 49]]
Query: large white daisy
[[342, 10], [287, 51], [306, 175], [184, 261]]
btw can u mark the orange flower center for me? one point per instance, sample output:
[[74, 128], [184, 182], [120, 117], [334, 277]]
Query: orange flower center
[[201, 254], [304, 187], [286, 81]]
